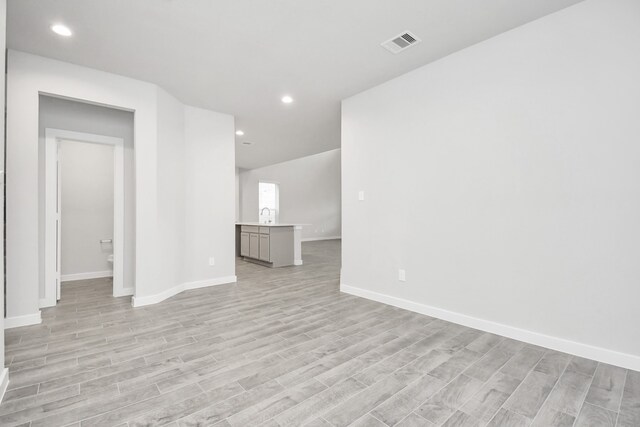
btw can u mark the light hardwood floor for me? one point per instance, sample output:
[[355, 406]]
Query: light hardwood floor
[[284, 347]]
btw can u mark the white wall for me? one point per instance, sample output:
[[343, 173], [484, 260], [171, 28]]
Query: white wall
[[504, 179], [76, 116], [27, 77], [309, 193], [86, 184], [170, 175], [4, 372], [238, 191], [155, 243], [209, 196]]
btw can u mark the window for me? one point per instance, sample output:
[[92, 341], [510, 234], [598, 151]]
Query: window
[[268, 202]]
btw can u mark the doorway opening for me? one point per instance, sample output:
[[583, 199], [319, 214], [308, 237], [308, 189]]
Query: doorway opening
[[84, 210]]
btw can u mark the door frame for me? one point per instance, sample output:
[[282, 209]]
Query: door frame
[[52, 271]]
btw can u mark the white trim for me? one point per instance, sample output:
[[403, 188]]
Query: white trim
[[297, 262], [210, 282], [44, 303], [52, 265], [154, 299], [600, 354], [85, 276], [26, 320], [4, 382], [58, 215], [125, 292], [118, 217], [315, 239], [51, 201]]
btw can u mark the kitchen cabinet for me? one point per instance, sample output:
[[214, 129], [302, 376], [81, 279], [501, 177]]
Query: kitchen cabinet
[[271, 245], [244, 244], [265, 248], [254, 245]]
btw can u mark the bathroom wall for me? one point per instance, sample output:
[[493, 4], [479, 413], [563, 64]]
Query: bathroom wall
[[77, 116], [86, 187], [310, 193]]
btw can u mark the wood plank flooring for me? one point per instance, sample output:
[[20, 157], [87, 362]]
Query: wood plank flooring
[[283, 347]]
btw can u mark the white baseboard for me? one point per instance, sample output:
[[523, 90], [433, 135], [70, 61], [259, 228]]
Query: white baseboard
[[600, 354], [210, 282], [154, 299], [124, 292], [85, 276], [315, 239], [26, 320], [4, 382], [45, 302]]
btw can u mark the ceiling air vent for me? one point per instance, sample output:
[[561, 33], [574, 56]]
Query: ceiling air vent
[[400, 42]]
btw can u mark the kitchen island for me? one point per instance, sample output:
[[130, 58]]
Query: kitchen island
[[271, 245]]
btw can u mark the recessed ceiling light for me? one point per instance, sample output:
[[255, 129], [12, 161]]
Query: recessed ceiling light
[[287, 99], [61, 30], [239, 133]]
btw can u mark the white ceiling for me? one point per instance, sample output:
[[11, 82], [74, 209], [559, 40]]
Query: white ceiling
[[241, 56]]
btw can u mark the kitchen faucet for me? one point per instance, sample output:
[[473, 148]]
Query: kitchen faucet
[[262, 212]]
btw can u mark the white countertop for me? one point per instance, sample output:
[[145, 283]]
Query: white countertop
[[261, 224]]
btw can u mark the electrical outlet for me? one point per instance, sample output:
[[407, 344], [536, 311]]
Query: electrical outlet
[[360, 195], [212, 261], [402, 276]]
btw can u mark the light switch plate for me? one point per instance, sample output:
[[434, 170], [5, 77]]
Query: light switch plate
[[360, 195], [212, 261], [402, 275]]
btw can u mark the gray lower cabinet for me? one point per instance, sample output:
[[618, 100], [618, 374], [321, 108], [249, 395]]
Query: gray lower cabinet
[[267, 245], [244, 244], [254, 245], [265, 248]]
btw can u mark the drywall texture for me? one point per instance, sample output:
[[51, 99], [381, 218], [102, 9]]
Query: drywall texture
[[86, 186], [76, 116], [157, 161], [504, 179], [309, 193]]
